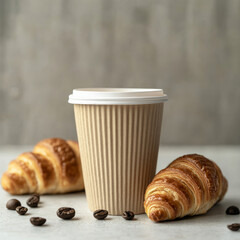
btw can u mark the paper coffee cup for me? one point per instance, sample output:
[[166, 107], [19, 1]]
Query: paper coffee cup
[[118, 133]]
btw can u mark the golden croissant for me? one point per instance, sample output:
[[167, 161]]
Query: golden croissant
[[52, 167], [190, 185]]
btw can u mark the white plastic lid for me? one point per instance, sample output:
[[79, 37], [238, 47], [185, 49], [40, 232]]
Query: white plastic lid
[[117, 96]]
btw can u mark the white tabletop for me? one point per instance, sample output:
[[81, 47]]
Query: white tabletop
[[209, 226]]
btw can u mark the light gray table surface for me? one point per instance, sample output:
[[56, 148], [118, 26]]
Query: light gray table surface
[[209, 226]]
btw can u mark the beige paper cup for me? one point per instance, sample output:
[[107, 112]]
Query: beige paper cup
[[118, 133]]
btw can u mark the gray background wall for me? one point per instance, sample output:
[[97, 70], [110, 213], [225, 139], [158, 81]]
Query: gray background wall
[[190, 48]]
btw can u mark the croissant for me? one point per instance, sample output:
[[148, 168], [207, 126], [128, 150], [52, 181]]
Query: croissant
[[52, 167], [190, 185]]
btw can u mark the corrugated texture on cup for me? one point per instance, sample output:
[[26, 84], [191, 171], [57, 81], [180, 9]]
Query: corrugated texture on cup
[[117, 96], [118, 147]]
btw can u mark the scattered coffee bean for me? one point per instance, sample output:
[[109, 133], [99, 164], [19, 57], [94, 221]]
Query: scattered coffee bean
[[12, 204], [37, 221], [100, 214], [66, 212], [33, 201], [37, 195], [128, 215], [234, 227], [21, 210], [232, 210]]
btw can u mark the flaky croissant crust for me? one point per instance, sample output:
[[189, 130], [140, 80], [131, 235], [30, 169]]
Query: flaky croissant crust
[[190, 185], [52, 167]]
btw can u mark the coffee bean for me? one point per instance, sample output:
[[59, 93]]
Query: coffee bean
[[66, 212], [100, 214], [232, 210], [37, 195], [234, 227], [12, 204], [37, 221], [128, 215], [21, 210], [33, 201]]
